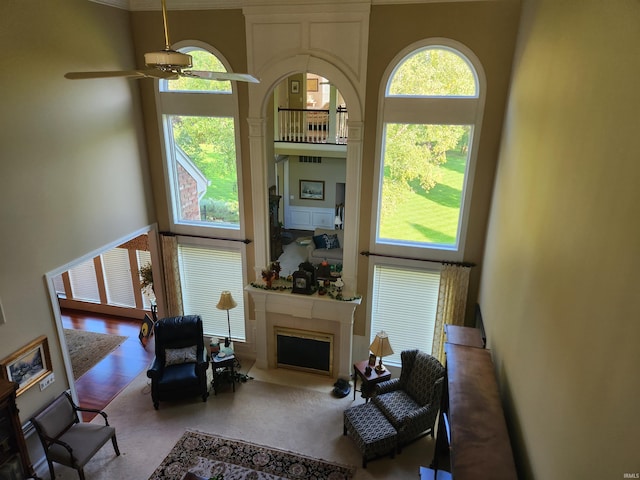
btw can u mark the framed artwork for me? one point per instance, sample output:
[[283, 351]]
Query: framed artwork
[[372, 359], [27, 366], [312, 85], [295, 86], [312, 189]]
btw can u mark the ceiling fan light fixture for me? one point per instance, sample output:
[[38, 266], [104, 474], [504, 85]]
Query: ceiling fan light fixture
[[168, 59]]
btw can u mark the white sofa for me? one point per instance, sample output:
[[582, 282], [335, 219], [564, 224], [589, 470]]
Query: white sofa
[[332, 255]]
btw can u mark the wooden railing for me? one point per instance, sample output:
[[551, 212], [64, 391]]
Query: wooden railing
[[303, 125]]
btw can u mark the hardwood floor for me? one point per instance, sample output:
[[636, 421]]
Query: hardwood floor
[[112, 374]]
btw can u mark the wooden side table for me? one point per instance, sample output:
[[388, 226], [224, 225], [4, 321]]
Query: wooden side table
[[223, 367], [368, 381]]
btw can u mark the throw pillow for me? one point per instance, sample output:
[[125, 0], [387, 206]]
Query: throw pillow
[[176, 356], [319, 241], [331, 241]]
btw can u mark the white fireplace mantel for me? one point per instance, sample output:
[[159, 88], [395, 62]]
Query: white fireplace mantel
[[306, 312]]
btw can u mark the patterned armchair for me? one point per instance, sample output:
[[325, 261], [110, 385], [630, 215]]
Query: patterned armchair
[[180, 367], [411, 402]]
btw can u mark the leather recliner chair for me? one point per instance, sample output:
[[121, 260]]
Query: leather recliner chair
[[179, 368]]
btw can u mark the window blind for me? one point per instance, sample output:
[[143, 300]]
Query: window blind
[[204, 273], [84, 285], [58, 284], [116, 269], [404, 304]]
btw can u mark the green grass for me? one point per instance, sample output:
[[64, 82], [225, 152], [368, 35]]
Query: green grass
[[223, 190], [425, 217], [431, 217]]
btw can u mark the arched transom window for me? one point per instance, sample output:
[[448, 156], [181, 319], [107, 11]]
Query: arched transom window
[[431, 111], [199, 119]]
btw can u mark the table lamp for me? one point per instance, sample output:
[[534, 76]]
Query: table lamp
[[381, 347], [226, 302]]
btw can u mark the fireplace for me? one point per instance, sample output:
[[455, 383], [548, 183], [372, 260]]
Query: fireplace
[[303, 313], [304, 350]]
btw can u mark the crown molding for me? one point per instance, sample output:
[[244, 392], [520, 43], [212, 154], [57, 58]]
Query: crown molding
[[145, 5]]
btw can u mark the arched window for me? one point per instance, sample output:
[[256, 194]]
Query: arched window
[[431, 108], [430, 114], [199, 119]]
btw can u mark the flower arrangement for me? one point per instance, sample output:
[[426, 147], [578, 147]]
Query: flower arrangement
[[268, 275], [276, 268]]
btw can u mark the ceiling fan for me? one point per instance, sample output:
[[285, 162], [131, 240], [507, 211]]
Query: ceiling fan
[[166, 64]]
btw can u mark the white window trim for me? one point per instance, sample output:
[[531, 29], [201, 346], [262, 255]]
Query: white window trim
[[471, 108]]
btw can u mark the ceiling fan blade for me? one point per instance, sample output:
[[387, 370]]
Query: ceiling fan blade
[[148, 73], [105, 74], [236, 77]]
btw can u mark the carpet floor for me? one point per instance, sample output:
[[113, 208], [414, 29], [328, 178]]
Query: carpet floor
[[307, 421], [86, 349]]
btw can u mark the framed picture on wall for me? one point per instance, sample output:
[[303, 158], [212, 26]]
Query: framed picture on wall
[[312, 85], [295, 86], [312, 189], [27, 366]]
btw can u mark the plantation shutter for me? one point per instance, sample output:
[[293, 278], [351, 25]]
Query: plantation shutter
[[117, 278], [84, 285], [404, 304], [204, 273]]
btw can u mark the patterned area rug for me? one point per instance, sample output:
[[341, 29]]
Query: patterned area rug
[[86, 349], [209, 456]]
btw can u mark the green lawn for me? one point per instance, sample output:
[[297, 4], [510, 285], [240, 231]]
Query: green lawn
[[438, 209], [222, 193]]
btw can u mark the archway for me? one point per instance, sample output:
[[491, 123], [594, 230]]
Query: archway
[[259, 103]]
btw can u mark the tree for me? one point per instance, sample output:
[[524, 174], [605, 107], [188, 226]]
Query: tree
[[414, 153]]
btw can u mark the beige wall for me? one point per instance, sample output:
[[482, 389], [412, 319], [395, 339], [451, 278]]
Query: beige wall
[[331, 170], [489, 30], [71, 175], [559, 288]]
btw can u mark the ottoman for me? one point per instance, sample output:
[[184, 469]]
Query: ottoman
[[371, 431]]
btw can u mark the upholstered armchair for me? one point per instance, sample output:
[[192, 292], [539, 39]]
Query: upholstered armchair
[[179, 368], [68, 441], [411, 402]]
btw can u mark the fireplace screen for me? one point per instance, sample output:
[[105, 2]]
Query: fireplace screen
[[303, 350]]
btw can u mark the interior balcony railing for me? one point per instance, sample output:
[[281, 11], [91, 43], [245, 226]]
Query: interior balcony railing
[[303, 125]]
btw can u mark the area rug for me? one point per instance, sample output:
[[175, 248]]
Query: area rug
[[211, 456], [86, 349]]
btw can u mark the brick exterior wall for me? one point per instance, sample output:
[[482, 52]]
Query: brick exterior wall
[[189, 206]]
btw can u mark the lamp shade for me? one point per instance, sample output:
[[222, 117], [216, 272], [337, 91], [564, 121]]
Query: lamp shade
[[380, 346], [226, 301]]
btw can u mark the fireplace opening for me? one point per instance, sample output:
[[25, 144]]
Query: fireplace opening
[[304, 350]]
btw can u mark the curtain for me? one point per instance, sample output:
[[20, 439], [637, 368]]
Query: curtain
[[452, 302], [173, 291]]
